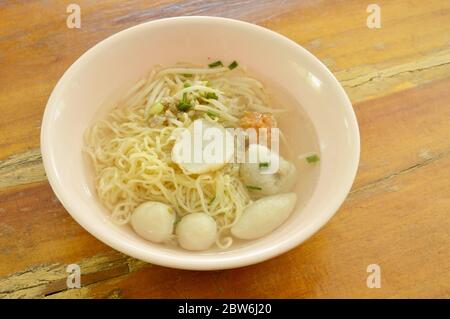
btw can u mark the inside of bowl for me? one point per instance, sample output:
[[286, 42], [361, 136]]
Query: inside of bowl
[[111, 67]]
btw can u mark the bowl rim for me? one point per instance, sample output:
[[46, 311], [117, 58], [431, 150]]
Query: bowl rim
[[193, 263]]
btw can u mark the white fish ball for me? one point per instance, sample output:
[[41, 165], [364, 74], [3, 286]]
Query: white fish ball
[[196, 231], [153, 221]]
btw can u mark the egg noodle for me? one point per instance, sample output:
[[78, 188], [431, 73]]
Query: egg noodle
[[131, 148]]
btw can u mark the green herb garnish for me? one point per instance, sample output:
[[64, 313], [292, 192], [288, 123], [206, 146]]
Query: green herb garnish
[[215, 64], [211, 95], [184, 104], [184, 107], [312, 158], [263, 165], [233, 65], [212, 114], [186, 85], [254, 188]]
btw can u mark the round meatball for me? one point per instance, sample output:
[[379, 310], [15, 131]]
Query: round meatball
[[196, 231], [153, 221]]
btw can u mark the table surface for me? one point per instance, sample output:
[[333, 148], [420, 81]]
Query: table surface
[[396, 216]]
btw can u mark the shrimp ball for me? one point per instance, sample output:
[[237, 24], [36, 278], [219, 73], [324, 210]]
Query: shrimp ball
[[262, 183]]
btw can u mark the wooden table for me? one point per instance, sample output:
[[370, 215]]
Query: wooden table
[[397, 215]]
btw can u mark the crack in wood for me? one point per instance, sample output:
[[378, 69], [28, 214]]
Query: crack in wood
[[374, 184], [440, 59], [50, 280], [21, 169], [380, 75]]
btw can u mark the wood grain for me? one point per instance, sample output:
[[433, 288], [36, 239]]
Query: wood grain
[[398, 78]]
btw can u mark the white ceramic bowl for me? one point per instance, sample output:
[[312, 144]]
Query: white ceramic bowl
[[123, 58]]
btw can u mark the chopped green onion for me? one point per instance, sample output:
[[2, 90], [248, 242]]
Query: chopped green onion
[[156, 108], [312, 158], [187, 75], [184, 104], [263, 165], [212, 114], [215, 64], [254, 188], [211, 95], [186, 85], [233, 65]]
